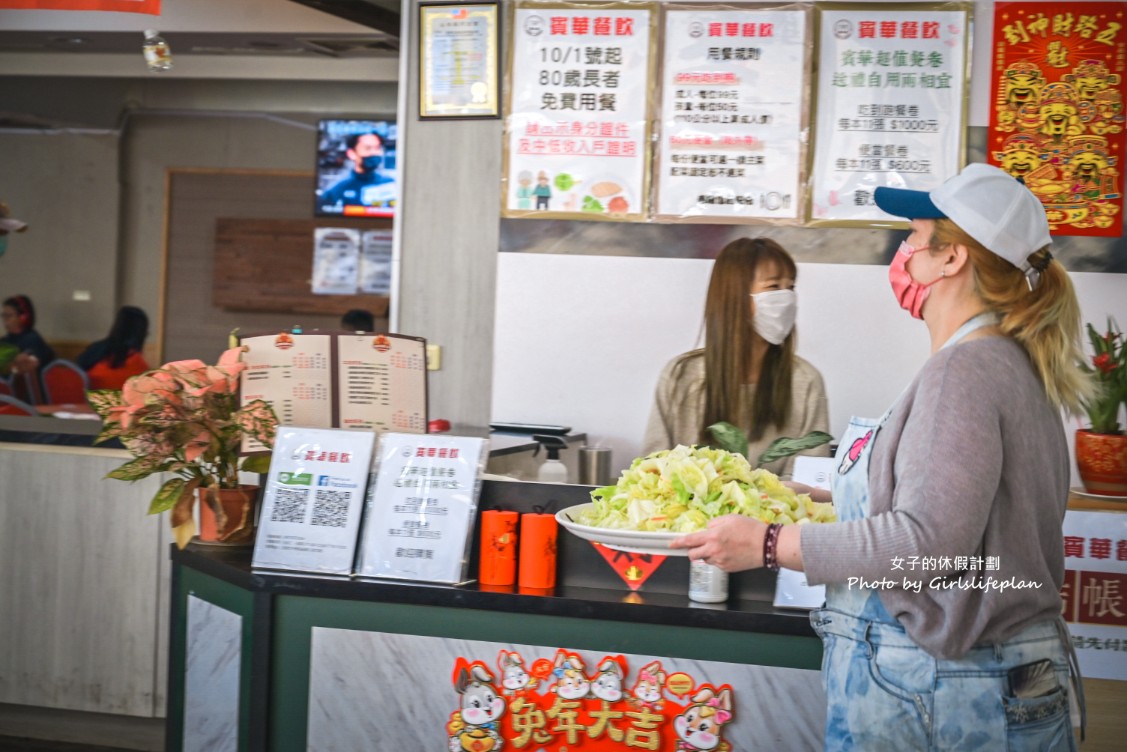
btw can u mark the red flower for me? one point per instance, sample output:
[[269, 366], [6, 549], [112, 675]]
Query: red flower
[[1104, 362]]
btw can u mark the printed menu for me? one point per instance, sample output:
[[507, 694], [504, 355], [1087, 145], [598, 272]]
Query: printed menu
[[365, 382], [891, 100], [733, 86]]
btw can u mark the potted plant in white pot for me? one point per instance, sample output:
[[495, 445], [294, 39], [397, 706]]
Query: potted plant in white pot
[[184, 418]]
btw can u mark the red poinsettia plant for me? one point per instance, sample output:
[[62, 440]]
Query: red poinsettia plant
[[1108, 366], [184, 418]]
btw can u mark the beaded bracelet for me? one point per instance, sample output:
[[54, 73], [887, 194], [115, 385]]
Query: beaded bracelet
[[771, 547]]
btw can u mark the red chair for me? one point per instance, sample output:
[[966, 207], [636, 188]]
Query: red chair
[[5, 387], [12, 406], [64, 383], [25, 386]]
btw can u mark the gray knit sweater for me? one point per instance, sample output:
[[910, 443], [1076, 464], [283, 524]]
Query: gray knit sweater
[[972, 462]]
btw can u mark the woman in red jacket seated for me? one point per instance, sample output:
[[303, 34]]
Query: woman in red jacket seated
[[109, 362]]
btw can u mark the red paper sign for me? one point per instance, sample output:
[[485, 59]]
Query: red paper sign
[[151, 7], [566, 704], [634, 569], [1057, 120]]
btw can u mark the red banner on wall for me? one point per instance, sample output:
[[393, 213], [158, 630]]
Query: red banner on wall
[[152, 7], [1057, 120]]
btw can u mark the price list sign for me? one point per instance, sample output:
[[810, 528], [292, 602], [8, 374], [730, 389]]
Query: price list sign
[[578, 127], [420, 510], [891, 104], [292, 373], [1095, 591], [382, 383], [732, 114]]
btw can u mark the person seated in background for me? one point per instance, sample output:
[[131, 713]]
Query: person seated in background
[[747, 374], [358, 320], [110, 361], [32, 351]]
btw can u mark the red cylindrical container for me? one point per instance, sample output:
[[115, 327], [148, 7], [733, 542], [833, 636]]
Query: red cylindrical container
[[498, 560], [538, 534]]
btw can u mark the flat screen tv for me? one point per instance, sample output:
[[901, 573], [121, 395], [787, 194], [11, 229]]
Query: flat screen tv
[[356, 169]]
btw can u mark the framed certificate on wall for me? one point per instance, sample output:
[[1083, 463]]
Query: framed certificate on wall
[[459, 61]]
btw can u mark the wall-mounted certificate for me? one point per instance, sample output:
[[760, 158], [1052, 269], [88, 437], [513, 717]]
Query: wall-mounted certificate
[[420, 512], [314, 497], [732, 114], [890, 106], [459, 68]]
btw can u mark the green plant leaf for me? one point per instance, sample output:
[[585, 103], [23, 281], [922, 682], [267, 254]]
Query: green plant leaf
[[136, 469], [728, 437], [167, 496], [256, 464], [785, 446]]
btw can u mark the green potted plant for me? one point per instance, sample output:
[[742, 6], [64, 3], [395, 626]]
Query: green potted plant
[[1101, 449], [184, 418]]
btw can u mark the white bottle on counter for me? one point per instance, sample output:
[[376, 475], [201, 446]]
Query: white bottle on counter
[[552, 470], [707, 584]]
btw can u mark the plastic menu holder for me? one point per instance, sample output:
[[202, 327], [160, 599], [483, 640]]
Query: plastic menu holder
[[419, 515]]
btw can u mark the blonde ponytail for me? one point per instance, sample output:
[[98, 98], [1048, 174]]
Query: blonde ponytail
[[1045, 320]]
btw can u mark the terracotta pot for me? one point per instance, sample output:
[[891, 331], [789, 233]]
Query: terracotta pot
[[1101, 459], [236, 524]]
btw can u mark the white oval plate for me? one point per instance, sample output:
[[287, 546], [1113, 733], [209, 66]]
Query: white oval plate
[[633, 541]]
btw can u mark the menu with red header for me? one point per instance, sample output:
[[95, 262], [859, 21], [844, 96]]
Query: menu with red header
[[327, 379]]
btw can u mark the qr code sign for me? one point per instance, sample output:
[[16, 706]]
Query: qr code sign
[[290, 505], [330, 508]]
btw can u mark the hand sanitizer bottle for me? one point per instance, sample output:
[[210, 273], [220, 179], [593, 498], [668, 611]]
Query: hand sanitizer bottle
[[551, 470]]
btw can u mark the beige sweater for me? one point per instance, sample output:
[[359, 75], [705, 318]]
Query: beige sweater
[[679, 409]]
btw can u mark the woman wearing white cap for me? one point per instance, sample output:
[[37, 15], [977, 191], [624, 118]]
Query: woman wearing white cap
[[942, 626]]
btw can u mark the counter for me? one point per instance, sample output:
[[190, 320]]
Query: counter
[[274, 661]]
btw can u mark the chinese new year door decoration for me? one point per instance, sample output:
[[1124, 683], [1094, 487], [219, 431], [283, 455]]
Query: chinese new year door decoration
[[1057, 120], [564, 703]]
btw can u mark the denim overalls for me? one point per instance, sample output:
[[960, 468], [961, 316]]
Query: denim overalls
[[884, 692]]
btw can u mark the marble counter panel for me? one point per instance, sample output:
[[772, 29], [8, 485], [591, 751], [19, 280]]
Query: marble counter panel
[[214, 655]]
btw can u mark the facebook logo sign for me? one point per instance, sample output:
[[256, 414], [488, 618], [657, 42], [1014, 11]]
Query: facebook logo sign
[[322, 480]]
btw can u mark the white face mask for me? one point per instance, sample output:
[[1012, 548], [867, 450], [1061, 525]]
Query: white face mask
[[774, 314]]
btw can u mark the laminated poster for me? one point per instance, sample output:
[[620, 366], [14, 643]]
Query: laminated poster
[[336, 258], [732, 114], [420, 511], [578, 128], [891, 104], [375, 262], [360, 382], [1056, 119], [1095, 591], [313, 500]]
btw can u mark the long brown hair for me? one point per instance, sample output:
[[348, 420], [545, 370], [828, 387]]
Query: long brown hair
[[728, 337], [1045, 320]]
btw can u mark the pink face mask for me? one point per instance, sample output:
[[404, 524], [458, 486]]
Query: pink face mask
[[910, 293]]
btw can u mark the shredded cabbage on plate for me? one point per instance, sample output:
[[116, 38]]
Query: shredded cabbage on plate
[[679, 490]]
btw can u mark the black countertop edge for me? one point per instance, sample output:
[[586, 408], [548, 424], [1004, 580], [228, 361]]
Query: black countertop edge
[[234, 567]]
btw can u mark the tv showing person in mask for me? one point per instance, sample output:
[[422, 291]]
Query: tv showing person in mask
[[356, 169]]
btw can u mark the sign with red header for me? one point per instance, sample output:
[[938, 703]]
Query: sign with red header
[[151, 7], [1057, 119], [1095, 591]]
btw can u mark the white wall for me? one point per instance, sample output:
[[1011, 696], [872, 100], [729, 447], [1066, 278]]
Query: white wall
[[579, 340]]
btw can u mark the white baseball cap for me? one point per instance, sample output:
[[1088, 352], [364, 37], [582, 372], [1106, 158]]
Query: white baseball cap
[[8, 223], [992, 206]]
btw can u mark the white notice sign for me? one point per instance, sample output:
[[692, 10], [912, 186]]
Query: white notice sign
[[420, 510], [313, 500], [732, 114]]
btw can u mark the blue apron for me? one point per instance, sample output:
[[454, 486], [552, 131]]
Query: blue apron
[[884, 692]]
